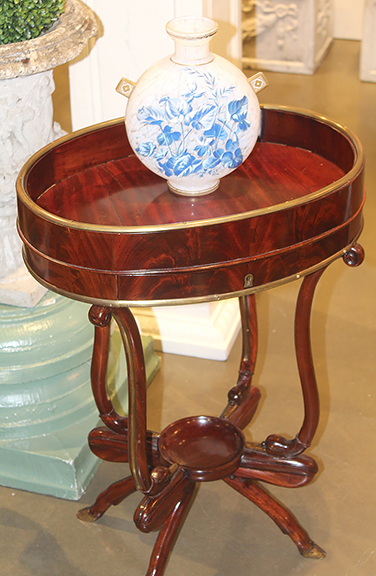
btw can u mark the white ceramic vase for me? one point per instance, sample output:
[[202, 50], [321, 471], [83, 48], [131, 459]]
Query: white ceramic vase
[[193, 117]]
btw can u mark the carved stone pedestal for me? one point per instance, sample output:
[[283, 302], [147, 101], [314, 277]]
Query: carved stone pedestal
[[45, 398], [46, 406], [286, 36]]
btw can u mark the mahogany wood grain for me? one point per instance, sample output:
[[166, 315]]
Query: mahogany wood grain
[[97, 224], [281, 516], [210, 281], [111, 496], [110, 446], [169, 532], [153, 511], [196, 245], [114, 446], [289, 472], [124, 193], [205, 447], [243, 398], [279, 445]]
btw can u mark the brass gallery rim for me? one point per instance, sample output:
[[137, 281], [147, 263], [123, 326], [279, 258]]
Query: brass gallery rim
[[321, 193]]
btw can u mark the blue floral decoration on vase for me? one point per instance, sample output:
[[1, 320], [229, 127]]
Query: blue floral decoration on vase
[[197, 133]]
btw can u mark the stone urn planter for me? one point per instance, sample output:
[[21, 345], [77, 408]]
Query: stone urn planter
[[45, 344], [26, 123]]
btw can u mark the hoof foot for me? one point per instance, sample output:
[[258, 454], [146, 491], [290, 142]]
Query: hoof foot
[[87, 516], [315, 552]]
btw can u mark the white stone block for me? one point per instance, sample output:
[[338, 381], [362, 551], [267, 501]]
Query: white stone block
[[368, 50], [285, 36], [199, 330]]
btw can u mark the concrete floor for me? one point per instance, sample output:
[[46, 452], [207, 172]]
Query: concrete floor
[[225, 534]]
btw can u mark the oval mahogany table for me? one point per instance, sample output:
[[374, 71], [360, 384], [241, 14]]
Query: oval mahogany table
[[97, 226]]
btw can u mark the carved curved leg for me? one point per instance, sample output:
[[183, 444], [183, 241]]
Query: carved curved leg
[[168, 533], [281, 516], [113, 447], [137, 433], [277, 444], [153, 511], [108, 445], [304, 359], [112, 496], [133, 427], [100, 317], [243, 398], [257, 464]]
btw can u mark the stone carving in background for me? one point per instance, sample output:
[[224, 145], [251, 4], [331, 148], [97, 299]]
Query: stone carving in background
[[324, 13], [286, 36], [26, 125], [263, 15]]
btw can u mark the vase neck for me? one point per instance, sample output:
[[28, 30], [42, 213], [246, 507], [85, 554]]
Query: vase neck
[[192, 36]]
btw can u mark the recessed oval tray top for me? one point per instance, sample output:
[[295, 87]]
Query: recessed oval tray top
[[98, 226], [122, 192]]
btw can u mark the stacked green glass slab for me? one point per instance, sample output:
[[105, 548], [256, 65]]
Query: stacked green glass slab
[[46, 404]]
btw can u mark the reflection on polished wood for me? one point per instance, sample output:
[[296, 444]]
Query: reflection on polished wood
[[126, 240], [97, 226]]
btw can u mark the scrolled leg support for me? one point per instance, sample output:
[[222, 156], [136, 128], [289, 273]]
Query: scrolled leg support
[[277, 445], [243, 398], [355, 256], [281, 516], [112, 496], [168, 533]]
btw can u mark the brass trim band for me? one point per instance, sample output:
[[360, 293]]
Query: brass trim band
[[192, 300]]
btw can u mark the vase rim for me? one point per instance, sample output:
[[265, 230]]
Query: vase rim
[[191, 28]]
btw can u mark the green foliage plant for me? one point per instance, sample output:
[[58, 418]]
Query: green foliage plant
[[22, 20]]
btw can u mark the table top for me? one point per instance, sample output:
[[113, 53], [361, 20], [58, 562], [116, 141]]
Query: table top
[[99, 226], [122, 192]]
